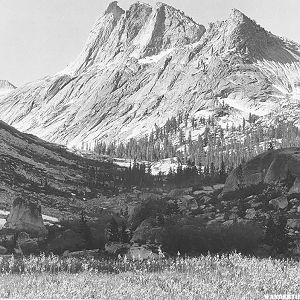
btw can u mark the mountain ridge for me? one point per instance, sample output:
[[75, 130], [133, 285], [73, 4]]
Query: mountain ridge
[[142, 66]]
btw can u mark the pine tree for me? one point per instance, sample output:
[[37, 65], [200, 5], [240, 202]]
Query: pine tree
[[112, 231], [277, 235], [123, 234], [85, 230]]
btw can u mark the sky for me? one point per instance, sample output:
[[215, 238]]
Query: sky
[[41, 37]]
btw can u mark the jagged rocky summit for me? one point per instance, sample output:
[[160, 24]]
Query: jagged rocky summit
[[142, 66]]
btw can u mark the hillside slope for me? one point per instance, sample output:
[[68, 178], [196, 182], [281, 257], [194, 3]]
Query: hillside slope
[[60, 179], [142, 66]]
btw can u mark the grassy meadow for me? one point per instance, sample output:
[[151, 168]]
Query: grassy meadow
[[206, 277]]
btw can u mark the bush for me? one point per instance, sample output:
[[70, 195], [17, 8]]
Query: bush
[[192, 240], [276, 235]]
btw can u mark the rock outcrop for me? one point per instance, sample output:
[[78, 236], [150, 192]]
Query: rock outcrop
[[26, 216], [271, 167]]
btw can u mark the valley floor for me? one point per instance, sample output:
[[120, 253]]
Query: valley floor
[[206, 277]]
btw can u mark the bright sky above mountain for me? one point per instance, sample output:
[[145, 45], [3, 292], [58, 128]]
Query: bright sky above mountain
[[40, 37]]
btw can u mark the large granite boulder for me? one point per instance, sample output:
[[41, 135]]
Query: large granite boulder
[[279, 202], [25, 216], [149, 231], [282, 165]]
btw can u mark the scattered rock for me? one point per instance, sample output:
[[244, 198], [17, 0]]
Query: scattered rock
[[116, 248], [294, 201], [175, 193], [218, 186], [212, 224], [220, 218], [205, 199], [149, 196], [189, 202], [84, 253], [141, 253], [196, 193], [3, 250], [256, 205], [250, 213], [228, 223], [293, 223], [280, 202]]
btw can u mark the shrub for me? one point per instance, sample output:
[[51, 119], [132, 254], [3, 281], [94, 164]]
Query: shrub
[[276, 235], [192, 240]]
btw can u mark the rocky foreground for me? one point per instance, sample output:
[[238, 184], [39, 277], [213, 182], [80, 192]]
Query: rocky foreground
[[247, 199]]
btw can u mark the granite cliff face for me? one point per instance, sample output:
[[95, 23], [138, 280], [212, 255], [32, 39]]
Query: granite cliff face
[[142, 66]]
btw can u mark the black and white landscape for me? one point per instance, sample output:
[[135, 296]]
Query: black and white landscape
[[164, 144]]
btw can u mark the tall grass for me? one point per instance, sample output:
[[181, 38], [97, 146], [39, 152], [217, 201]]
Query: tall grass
[[206, 277]]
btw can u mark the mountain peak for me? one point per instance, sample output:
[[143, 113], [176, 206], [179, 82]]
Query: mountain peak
[[5, 84], [114, 8], [6, 87], [237, 15]]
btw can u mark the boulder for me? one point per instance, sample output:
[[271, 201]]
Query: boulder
[[26, 216], [196, 193], [84, 253], [149, 196], [149, 231], [141, 253], [213, 224], [270, 167], [280, 202], [116, 248], [3, 250], [175, 193], [293, 223], [218, 186], [250, 213], [228, 223], [147, 209], [295, 189], [66, 240], [189, 202], [27, 244]]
